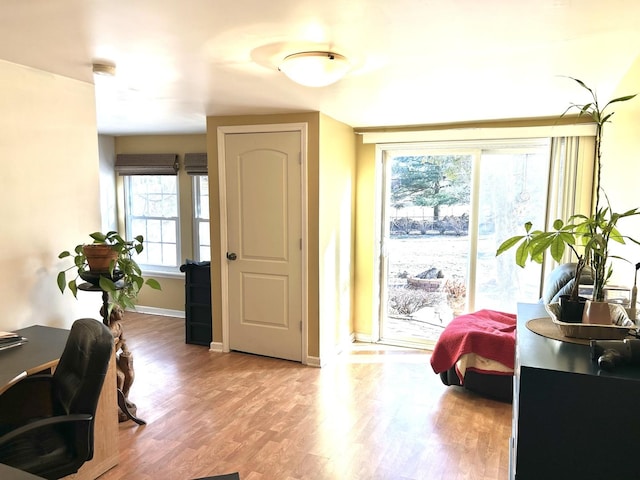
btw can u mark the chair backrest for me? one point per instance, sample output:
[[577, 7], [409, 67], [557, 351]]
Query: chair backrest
[[82, 368]]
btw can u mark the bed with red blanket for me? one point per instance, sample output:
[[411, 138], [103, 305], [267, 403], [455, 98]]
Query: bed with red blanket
[[477, 351]]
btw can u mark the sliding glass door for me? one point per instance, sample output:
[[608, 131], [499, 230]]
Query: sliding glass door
[[446, 208]]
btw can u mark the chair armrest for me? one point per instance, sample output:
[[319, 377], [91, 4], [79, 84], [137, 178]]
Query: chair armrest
[[80, 420]]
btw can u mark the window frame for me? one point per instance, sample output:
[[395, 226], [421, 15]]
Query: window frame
[[197, 219], [151, 267]]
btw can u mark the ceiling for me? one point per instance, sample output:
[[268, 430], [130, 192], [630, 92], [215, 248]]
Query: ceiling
[[414, 61]]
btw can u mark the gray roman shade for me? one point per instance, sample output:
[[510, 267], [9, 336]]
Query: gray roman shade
[[147, 164], [195, 163]]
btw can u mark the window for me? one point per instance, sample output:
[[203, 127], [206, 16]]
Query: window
[[151, 210], [201, 232]]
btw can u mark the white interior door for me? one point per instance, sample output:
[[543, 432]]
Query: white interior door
[[264, 242]]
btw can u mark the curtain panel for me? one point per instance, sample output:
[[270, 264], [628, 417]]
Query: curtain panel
[[147, 164], [195, 163]]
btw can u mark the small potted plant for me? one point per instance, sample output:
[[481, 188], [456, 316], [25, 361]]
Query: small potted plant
[[587, 236], [108, 263]]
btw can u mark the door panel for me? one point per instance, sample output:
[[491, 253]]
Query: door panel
[[263, 187]]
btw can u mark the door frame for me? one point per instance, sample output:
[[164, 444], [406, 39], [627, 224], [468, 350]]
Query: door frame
[[222, 131]]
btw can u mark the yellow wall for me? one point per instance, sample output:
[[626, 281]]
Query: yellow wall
[[336, 216], [621, 171], [365, 286], [172, 295], [49, 200]]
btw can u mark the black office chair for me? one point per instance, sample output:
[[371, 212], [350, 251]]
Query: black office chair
[[47, 421]]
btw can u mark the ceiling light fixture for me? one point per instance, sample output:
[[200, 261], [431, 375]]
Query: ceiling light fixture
[[315, 69], [104, 69]]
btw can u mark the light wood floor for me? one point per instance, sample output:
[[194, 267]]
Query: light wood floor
[[374, 413]]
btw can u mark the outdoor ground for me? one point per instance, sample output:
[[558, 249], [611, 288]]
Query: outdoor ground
[[415, 253], [411, 255]]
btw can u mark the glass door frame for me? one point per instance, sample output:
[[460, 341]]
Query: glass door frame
[[383, 179], [474, 149]]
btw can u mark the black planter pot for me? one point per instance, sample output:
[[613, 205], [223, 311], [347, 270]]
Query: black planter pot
[[94, 277], [571, 311]]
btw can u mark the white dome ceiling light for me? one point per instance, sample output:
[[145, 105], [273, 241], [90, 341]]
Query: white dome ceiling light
[[104, 69], [315, 69]]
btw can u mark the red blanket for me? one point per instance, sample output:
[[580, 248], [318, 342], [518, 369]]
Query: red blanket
[[488, 333]]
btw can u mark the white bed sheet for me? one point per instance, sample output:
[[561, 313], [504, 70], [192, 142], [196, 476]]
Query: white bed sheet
[[480, 364]]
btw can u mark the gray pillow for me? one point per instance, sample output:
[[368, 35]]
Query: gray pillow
[[560, 282]]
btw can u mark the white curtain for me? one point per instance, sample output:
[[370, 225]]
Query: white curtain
[[570, 179]]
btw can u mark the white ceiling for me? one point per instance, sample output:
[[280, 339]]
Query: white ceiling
[[415, 61]]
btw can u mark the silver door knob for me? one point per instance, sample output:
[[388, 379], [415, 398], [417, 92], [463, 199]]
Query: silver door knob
[[231, 256]]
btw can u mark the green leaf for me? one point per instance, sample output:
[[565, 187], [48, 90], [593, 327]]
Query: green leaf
[[107, 285], [606, 117], [557, 249], [582, 84], [62, 281], [64, 254], [138, 282], [74, 288], [153, 283], [537, 257], [98, 237], [620, 99], [508, 243], [522, 254]]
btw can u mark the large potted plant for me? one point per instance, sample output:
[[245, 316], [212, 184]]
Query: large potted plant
[[114, 270], [587, 236]]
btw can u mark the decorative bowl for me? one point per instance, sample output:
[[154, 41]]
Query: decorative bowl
[[619, 328]]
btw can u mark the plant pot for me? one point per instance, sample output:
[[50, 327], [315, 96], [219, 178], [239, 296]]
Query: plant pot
[[99, 256], [93, 277], [596, 313], [571, 311]]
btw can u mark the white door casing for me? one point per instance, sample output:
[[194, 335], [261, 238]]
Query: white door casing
[[263, 205]]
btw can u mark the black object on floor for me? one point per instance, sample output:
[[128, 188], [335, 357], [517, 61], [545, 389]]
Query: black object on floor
[[228, 476]]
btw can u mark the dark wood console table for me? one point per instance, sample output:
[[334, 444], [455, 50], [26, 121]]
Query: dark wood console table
[[570, 419]]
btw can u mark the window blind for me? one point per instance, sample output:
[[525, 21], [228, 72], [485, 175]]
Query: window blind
[[195, 163], [147, 164]]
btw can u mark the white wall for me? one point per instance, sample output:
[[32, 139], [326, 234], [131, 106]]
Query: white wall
[[108, 199], [49, 192]]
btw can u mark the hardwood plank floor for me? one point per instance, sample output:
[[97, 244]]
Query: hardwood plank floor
[[374, 413]]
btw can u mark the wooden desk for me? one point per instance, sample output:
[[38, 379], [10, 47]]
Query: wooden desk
[[570, 419], [42, 353]]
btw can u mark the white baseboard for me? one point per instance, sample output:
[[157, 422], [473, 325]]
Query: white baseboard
[[216, 347], [165, 312], [313, 362], [364, 338]]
